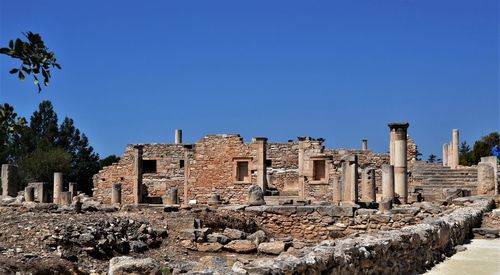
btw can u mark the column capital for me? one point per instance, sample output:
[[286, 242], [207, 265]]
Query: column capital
[[398, 125]]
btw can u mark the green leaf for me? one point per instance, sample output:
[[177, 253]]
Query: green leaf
[[26, 70], [44, 73], [5, 50], [21, 75], [19, 45], [57, 66], [13, 71], [11, 44]]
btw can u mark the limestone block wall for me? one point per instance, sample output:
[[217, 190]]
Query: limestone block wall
[[212, 169], [120, 172], [283, 173], [411, 249]]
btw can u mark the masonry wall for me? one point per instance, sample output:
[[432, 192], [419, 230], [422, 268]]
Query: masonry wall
[[283, 173]]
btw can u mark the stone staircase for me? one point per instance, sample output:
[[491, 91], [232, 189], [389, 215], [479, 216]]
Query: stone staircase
[[434, 180]]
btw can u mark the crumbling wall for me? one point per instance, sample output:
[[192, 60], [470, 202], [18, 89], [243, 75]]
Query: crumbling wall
[[283, 173], [212, 169]]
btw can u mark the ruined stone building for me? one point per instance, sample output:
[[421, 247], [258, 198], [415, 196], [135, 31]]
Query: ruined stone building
[[226, 165]]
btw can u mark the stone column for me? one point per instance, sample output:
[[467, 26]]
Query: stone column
[[455, 143], [400, 160], [490, 175], [65, 198], [58, 187], [364, 145], [29, 194], [42, 192], [391, 146], [261, 143], [178, 136], [116, 193], [172, 197], [368, 193], [137, 190], [186, 173], [301, 168], [387, 182], [337, 190], [10, 180], [350, 178], [445, 154], [73, 186]]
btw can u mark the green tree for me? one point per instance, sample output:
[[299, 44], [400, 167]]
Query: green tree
[[432, 158], [35, 58], [44, 124], [41, 164], [108, 161], [483, 147], [465, 154], [10, 128]]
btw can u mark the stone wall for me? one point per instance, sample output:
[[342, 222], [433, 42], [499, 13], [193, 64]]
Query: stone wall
[[412, 249]]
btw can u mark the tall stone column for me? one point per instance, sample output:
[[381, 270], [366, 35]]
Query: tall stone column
[[261, 143], [58, 187], [73, 187], [42, 190], [368, 193], [301, 169], [391, 146], [178, 136], [337, 190], [387, 182], [10, 180], [445, 154], [137, 190], [400, 160], [364, 145], [350, 179], [455, 143], [187, 149], [116, 193]]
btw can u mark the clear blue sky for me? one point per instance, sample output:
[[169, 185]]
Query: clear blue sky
[[133, 71]]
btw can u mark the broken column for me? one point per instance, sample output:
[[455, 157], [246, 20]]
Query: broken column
[[65, 198], [178, 136], [172, 197], [301, 168], [445, 154], [364, 145], [73, 189], [261, 162], [116, 193], [137, 190], [368, 185], [42, 192], [387, 182], [10, 180], [29, 194], [487, 181], [400, 160], [350, 178], [337, 190], [58, 187], [454, 161]]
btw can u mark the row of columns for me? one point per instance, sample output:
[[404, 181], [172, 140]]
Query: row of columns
[[39, 190], [450, 151]]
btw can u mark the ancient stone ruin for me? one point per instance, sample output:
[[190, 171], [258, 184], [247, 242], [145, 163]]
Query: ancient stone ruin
[[224, 206]]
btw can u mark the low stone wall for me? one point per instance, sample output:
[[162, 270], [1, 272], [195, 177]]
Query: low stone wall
[[322, 222], [410, 249]]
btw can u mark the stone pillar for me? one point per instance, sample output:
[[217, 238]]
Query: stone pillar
[[368, 193], [364, 145], [116, 193], [455, 142], [400, 160], [65, 198], [10, 180], [29, 193], [387, 182], [301, 169], [172, 197], [487, 178], [391, 146], [178, 136], [73, 186], [337, 190], [58, 187], [42, 192], [445, 154], [186, 173], [137, 190], [350, 178], [261, 143]]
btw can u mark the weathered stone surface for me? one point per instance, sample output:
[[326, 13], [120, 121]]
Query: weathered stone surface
[[257, 237], [364, 211], [281, 209], [406, 211], [241, 246], [486, 231], [234, 234], [211, 265], [255, 196], [209, 247], [274, 248], [189, 244], [428, 207], [218, 238], [485, 179], [128, 265], [335, 211]]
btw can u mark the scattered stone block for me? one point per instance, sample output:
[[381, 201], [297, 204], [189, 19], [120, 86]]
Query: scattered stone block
[[241, 246], [234, 234], [274, 248], [257, 237], [211, 265], [255, 196], [129, 265], [209, 247], [218, 238]]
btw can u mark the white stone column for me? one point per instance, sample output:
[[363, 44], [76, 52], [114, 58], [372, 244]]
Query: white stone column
[[455, 144], [368, 185], [29, 193], [387, 182], [301, 169], [391, 146], [261, 143], [364, 145], [400, 160], [445, 154], [337, 190], [58, 187], [178, 136], [350, 178], [137, 190]]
